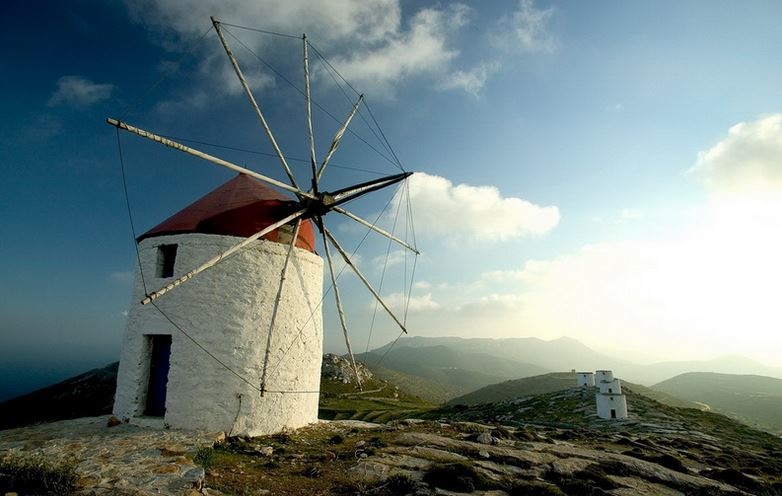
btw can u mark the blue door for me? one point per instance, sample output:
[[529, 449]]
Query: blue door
[[158, 375]]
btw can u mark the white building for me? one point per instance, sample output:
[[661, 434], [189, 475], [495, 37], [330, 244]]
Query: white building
[[586, 379], [197, 362], [611, 387], [611, 402], [604, 376]]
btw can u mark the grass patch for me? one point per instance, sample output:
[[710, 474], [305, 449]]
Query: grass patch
[[36, 476], [204, 456]]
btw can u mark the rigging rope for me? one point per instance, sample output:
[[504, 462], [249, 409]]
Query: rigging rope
[[382, 278], [323, 109], [301, 329], [283, 35], [131, 106], [330, 71], [266, 154]]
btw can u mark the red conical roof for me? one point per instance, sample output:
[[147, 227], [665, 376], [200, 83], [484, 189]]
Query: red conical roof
[[241, 207]]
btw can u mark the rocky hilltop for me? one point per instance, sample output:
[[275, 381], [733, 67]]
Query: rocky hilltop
[[338, 369], [544, 444]]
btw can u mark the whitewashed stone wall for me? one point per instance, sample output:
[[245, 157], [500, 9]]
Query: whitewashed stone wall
[[608, 402], [227, 310], [585, 379], [612, 387], [604, 376]]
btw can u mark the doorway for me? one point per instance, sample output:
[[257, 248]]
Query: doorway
[[160, 353], [613, 413]]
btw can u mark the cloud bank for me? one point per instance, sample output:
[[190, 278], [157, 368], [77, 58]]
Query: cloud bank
[[747, 160], [708, 290], [368, 41], [477, 213]]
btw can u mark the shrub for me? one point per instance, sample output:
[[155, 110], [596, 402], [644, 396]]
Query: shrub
[[204, 456], [399, 484], [533, 488], [36, 476], [459, 477]]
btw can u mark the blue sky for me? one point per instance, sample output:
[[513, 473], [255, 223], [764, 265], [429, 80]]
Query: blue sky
[[585, 169]]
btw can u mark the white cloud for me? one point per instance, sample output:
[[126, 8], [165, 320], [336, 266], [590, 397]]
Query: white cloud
[[422, 285], [422, 49], [471, 81], [526, 29], [398, 302], [78, 91], [396, 257], [366, 40], [334, 21], [747, 160], [474, 212]]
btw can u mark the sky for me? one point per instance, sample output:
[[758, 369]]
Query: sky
[[608, 171]]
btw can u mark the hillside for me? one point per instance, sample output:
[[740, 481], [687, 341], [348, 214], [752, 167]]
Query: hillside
[[754, 399], [508, 390], [92, 393], [377, 400], [441, 372], [557, 354], [541, 444], [85, 395], [567, 354], [547, 383], [727, 364]]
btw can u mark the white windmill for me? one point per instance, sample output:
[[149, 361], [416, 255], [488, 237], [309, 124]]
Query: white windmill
[[198, 357]]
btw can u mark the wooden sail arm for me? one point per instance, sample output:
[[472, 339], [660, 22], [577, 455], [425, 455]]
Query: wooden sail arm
[[340, 310], [361, 277], [337, 138], [308, 101], [254, 103], [352, 192], [210, 158], [222, 256]]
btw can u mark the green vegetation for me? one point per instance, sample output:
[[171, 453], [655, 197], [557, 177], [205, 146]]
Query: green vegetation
[[754, 399], [440, 372], [379, 401], [458, 477], [36, 476], [509, 390]]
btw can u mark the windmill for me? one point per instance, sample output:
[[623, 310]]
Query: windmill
[[147, 354]]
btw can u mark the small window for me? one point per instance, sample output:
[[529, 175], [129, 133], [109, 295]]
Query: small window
[[610, 390], [166, 256]]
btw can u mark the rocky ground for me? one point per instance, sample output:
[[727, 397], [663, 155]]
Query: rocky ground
[[424, 457], [87, 457], [544, 444]]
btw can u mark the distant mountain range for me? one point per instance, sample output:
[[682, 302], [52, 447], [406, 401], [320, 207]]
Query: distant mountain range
[[756, 400], [439, 372], [471, 371], [554, 355]]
